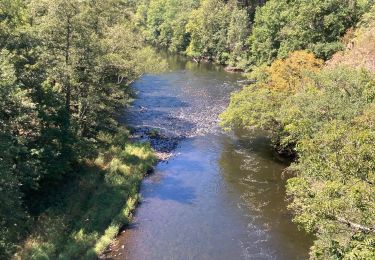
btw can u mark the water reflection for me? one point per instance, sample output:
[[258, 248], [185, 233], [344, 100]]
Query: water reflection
[[173, 189], [251, 168], [221, 196]]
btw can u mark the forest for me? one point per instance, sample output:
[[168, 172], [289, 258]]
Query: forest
[[66, 67]]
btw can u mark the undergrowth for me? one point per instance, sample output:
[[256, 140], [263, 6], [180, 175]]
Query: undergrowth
[[92, 206]]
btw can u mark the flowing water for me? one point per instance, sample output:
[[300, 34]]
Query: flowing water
[[221, 195]]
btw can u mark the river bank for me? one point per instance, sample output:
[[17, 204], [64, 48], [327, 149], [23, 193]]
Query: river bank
[[220, 195], [93, 205]]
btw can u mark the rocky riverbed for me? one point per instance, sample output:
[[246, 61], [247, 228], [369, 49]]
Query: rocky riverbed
[[166, 116], [162, 144], [216, 196]]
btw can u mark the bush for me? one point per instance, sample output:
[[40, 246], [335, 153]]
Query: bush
[[94, 205], [325, 118], [281, 27]]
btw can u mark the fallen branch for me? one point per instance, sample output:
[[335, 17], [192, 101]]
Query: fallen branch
[[356, 226]]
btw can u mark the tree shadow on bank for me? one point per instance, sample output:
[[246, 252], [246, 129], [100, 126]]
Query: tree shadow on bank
[[91, 208]]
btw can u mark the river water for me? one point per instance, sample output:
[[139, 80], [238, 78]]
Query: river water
[[221, 195]]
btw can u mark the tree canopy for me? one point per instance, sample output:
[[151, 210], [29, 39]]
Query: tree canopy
[[247, 33], [64, 68], [323, 118], [319, 115]]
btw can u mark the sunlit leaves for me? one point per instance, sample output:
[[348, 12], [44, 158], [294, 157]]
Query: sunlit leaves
[[282, 26], [63, 79], [325, 118]]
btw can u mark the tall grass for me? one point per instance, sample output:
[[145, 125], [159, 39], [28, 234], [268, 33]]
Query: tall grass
[[93, 206]]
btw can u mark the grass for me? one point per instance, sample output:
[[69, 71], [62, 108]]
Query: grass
[[93, 206]]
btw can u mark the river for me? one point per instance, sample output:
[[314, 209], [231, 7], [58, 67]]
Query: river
[[221, 195]]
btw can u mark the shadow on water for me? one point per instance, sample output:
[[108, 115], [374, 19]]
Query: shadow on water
[[251, 167], [173, 189], [221, 196], [177, 62]]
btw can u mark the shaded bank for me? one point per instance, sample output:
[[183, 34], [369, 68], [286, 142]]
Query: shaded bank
[[90, 208]]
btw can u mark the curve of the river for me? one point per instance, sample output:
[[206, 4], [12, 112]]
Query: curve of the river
[[220, 196]]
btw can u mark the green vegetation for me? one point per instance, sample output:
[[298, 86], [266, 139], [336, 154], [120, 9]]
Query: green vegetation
[[209, 29], [281, 27], [69, 175], [238, 34], [64, 70], [319, 116], [163, 22], [361, 50], [90, 208], [323, 117]]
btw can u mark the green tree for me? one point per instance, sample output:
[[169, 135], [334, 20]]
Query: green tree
[[12, 17], [265, 39], [163, 22], [14, 130], [326, 121], [333, 193], [63, 79], [208, 28], [238, 33], [281, 27]]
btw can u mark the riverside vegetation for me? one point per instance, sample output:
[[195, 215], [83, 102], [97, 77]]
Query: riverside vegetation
[[69, 176], [312, 62], [323, 117], [67, 166]]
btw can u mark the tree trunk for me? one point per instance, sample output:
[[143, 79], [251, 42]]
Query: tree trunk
[[67, 60]]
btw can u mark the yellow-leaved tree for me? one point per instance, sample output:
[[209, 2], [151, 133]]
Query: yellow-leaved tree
[[288, 74]]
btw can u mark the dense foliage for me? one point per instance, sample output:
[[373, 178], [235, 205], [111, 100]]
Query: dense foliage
[[209, 29], [163, 22], [64, 68], [360, 50], [231, 32], [324, 117], [284, 26]]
